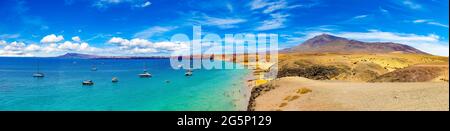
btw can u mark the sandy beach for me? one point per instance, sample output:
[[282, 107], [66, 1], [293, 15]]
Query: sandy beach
[[254, 78], [301, 94]]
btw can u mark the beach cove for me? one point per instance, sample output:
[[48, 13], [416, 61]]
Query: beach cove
[[168, 89]]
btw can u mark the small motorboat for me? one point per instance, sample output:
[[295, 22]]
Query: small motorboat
[[94, 68], [38, 75], [145, 74], [88, 83], [188, 73], [115, 80]]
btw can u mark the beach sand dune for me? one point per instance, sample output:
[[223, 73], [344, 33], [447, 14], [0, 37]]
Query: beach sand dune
[[301, 94]]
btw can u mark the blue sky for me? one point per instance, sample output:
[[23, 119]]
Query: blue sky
[[143, 27]]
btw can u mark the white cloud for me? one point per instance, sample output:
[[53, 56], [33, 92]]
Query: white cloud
[[379, 36], [274, 6], [84, 46], [51, 48], [322, 28], [429, 43], [22, 49], [12, 49], [141, 46], [230, 7], [438, 24], [223, 22], [76, 39], [142, 50], [276, 10], [419, 21], [3, 43], [382, 10], [430, 22], [170, 46], [9, 36], [112, 1], [69, 46], [411, 4], [149, 32], [14, 46], [137, 42], [145, 4], [257, 4], [102, 4], [276, 22], [32, 48], [52, 38], [117, 40], [360, 16], [268, 6]]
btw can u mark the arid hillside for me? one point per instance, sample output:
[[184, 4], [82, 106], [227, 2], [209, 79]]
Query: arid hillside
[[361, 67], [417, 73]]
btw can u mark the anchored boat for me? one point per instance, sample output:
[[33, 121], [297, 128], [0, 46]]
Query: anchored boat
[[115, 80], [94, 68], [88, 83], [145, 74], [38, 74], [188, 73]]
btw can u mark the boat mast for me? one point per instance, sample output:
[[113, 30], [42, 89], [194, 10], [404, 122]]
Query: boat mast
[[38, 65], [145, 67]]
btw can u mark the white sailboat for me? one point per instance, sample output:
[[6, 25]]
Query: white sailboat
[[38, 74], [145, 74], [93, 68]]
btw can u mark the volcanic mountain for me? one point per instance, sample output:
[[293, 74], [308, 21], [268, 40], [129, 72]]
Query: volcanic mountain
[[332, 44], [78, 56]]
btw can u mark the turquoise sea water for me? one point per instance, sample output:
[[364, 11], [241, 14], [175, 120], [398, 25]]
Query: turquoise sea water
[[61, 88]]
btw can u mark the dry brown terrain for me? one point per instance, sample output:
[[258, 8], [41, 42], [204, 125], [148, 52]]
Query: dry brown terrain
[[334, 73], [358, 67], [417, 73], [298, 94], [329, 81]]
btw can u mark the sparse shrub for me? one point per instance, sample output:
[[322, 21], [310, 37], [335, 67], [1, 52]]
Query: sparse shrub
[[303, 90], [287, 98], [283, 105], [293, 98], [315, 72]]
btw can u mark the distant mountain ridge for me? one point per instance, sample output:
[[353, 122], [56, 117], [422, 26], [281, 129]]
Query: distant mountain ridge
[[78, 56], [326, 43]]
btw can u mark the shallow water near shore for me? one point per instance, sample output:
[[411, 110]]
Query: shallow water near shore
[[61, 87]]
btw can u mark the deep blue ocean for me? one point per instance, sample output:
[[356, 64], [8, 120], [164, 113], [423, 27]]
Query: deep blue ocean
[[167, 90]]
